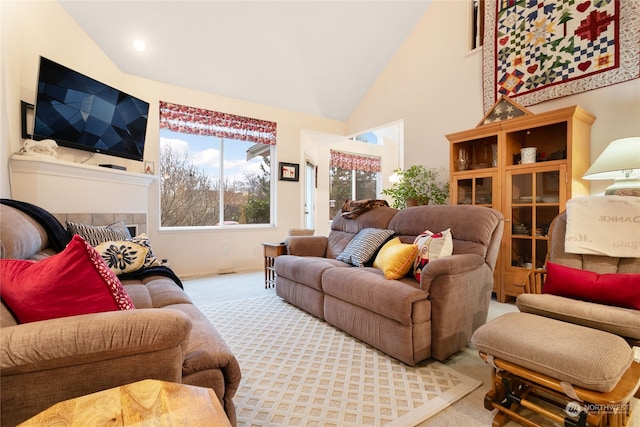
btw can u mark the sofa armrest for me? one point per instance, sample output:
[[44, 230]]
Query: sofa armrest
[[459, 289], [449, 265], [90, 338], [307, 245]]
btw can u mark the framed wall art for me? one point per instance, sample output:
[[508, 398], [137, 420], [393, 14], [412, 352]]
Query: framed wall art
[[288, 171]]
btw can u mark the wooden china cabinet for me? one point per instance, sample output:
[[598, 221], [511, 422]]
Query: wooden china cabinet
[[486, 170]]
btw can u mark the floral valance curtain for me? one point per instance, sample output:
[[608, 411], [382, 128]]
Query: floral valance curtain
[[357, 162], [198, 121]]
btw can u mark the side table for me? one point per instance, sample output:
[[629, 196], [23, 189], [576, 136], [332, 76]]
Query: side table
[[143, 403], [271, 252]]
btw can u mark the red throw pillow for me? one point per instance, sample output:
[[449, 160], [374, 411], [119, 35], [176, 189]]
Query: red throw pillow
[[75, 281], [620, 289]]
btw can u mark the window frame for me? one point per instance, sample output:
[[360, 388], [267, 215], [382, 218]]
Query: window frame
[[222, 142]]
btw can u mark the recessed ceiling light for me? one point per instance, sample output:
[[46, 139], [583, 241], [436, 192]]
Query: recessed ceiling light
[[139, 45]]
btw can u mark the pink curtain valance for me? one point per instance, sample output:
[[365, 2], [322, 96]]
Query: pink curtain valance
[[357, 162], [198, 121]]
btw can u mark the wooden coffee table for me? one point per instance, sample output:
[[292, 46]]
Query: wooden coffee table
[[144, 403]]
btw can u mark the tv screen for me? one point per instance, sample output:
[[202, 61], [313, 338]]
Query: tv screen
[[79, 112]]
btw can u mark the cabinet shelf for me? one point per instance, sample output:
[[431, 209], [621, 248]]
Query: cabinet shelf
[[529, 195]]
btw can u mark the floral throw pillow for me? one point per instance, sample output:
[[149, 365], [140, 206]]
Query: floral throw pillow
[[126, 256], [431, 246]]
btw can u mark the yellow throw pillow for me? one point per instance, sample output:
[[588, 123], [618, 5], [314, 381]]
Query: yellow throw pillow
[[395, 258]]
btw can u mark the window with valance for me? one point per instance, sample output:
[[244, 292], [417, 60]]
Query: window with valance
[[215, 168], [357, 162], [352, 177]]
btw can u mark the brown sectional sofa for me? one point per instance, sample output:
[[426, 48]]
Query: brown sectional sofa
[[166, 337], [407, 319]]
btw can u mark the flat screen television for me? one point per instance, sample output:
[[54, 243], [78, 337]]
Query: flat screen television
[[79, 112]]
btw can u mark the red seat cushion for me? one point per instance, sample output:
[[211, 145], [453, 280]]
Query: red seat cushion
[[75, 281], [621, 289]]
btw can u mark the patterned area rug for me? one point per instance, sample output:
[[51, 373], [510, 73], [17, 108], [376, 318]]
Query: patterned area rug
[[298, 370]]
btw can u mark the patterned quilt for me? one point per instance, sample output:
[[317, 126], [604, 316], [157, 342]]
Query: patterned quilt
[[535, 50]]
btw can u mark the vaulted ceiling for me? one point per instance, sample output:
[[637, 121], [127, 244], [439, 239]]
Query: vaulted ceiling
[[316, 57]]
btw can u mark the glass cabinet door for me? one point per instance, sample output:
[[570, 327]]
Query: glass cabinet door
[[534, 198], [473, 190]]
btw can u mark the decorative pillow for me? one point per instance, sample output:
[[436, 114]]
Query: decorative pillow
[[126, 256], [395, 258], [362, 247], [431, 246], [96, 234], [620, 289], [74, 281]]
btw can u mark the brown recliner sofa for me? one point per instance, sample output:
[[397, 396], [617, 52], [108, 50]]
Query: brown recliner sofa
[[406, 319], [166, 338]]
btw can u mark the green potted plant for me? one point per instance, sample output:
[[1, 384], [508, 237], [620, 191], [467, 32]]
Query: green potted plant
[[418, 185]]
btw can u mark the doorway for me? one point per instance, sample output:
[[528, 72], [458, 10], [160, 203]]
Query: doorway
[[309, 195]]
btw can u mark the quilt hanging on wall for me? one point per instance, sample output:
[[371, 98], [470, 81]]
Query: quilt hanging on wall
[[536, 50]]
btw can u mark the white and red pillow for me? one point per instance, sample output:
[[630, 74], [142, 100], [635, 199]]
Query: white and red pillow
[[431, 246]]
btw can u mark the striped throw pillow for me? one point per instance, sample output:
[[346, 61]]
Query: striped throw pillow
[[364, 245], [96, 234]]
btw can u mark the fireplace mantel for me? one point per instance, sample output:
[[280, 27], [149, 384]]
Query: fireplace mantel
[[63, 186]]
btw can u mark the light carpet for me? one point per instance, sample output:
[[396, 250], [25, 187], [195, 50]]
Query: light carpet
[[298, 370]]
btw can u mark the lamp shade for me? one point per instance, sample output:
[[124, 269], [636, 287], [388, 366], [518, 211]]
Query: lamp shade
[[620, 160]]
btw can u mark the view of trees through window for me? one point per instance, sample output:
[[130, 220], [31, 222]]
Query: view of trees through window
[[349, 184], [200, 174]]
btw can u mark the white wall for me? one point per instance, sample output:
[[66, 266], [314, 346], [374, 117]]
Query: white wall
[[435, 85], [44, 28]]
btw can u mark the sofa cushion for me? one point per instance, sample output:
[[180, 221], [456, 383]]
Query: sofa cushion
[[622, 290], [96, 234], [343, 229], [75, 281], [395, 259], [305, 270], [431, 246], [155, 292], [20, 235], [126, 256], [364, 245], [367, 288]]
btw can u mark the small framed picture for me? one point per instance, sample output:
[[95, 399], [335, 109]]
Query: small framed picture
[[288, 171], [149, 167]]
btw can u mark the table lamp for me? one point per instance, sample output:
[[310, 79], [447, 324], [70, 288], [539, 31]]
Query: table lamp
[[620, 161]]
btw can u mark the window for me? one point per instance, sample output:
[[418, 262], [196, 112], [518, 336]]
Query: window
[[368, 138], [351, 177], [477, 24], [210, 160]]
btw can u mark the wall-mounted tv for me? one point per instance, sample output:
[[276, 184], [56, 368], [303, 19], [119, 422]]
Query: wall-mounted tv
[[79, 112]]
